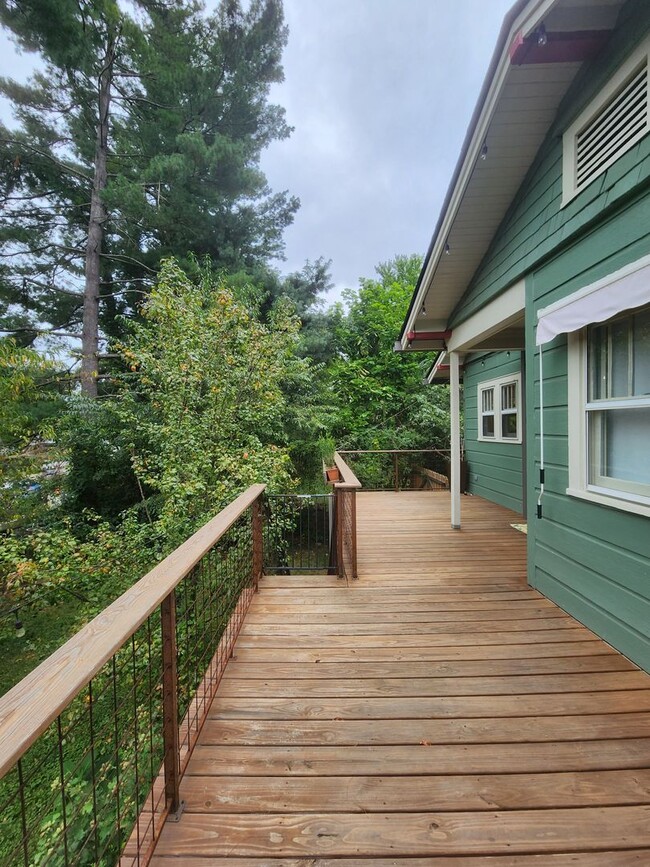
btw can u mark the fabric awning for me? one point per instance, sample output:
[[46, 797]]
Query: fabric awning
[[623, 290]]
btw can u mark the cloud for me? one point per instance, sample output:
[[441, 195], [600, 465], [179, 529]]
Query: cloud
[[380, 93]]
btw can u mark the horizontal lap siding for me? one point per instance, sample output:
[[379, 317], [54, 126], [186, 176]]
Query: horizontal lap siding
[[495, 469], [535, 224], [593, 560]]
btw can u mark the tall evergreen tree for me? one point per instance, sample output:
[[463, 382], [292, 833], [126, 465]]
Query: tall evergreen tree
[[141, 138]]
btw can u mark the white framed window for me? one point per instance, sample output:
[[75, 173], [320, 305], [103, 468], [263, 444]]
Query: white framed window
[[609, 412], [610, 125], [499, 415]]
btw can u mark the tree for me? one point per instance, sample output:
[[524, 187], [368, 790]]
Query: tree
[[207, 396], [140, 138], [381, 401]]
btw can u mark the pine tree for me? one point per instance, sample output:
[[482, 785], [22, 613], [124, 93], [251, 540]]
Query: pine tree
[[141, 138]]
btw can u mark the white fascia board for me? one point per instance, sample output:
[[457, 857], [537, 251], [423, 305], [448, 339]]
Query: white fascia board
[[524, 24], [491, 319], [439, 360]]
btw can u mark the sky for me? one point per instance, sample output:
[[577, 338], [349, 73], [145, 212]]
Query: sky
[[380, 93]]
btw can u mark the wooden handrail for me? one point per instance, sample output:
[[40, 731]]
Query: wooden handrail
[[394, 451], [348, 479], [34, 703]]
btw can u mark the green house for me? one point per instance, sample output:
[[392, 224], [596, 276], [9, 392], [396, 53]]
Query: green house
[[536, 292]]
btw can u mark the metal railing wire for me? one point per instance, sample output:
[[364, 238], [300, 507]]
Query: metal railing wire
[[298, 533], [94, 742]]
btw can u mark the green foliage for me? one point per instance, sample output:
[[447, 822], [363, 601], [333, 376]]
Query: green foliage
[[381, 401], [213, 380], [29, 406], [99, 449], [188, 119]]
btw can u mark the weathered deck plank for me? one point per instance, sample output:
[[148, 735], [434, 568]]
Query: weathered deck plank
[[437, 711]]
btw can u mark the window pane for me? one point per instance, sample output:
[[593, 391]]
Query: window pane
[[597, 362], [488, 425], [620, 354], [619, 448], [509, 396], [509, 425], [642, 353], [487, 400]]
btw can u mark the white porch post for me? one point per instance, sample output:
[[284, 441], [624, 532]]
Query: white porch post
[[454, 369]]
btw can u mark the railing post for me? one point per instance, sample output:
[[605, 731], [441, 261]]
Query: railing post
[[339, 533], [353, 530], [258, 543], [396, 471], [171, 743]]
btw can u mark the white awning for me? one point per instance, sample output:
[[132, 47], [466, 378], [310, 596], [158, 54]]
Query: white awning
[[623, 290]]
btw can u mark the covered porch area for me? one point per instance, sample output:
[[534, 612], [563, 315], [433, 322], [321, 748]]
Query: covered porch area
[[435, 711]]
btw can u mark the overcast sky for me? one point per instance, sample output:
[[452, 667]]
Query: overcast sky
[[380, 93]]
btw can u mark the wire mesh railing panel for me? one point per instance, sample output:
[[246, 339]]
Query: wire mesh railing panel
[[74, 797], [298, 533], [95, 785], [211, 603]]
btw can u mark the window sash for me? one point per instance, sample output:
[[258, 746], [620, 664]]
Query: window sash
[[498, 406]]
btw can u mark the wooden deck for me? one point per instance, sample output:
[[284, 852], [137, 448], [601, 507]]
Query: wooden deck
[[436, 712]]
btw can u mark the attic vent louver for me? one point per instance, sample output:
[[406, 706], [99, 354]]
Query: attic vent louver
[[610, 126], [608, 135]]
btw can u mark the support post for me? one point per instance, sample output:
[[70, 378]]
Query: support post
[[396, 471], [258, 543], [454, 388], [171, 743]]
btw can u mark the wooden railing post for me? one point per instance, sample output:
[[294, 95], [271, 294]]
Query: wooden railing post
[[339, 532], [171, 743], [258, 542], [353, 530]]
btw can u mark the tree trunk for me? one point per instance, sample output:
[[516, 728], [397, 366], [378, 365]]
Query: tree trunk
[[90, 328]]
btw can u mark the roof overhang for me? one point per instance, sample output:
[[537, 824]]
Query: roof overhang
[[541, 47]]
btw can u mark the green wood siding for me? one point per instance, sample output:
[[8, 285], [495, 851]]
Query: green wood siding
[[495, 469], [535, 225], [593, 560]]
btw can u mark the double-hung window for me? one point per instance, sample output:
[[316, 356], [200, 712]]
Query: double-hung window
[[499, 416], [618, 406]]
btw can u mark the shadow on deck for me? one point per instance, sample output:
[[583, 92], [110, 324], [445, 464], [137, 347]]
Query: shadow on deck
[[436, 711]]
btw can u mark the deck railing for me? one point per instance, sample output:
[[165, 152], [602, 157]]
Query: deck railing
[[400, 469], [94, 742], [345, 493], [298, 533]]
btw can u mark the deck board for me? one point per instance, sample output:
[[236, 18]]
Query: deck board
[[436, 711]]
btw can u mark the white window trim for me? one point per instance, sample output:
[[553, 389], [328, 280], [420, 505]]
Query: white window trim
[[496, 385], [578, 450], [634, 61]]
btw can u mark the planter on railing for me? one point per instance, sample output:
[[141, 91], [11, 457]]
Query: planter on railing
[[94, 742]]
